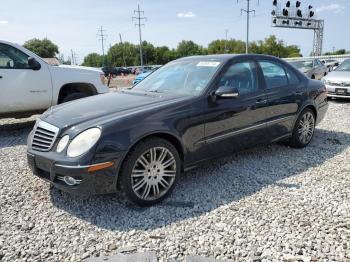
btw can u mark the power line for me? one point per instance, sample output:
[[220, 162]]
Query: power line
[[102, 37], [247, 11], [138, 23]]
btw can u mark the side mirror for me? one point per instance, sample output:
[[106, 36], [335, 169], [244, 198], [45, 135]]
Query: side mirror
[[33, 64], [226, 92]]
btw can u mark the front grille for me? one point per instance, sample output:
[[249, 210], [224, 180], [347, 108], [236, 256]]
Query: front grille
[[44, 136], [341, 84]]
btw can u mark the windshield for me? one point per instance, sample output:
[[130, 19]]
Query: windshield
[[345, 66], [180, 77], [302, 64]]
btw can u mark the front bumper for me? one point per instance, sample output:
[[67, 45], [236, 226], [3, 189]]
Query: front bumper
[[338, 91], [92, 183]]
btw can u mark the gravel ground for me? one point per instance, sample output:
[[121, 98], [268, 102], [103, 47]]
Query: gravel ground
[[270, 203]]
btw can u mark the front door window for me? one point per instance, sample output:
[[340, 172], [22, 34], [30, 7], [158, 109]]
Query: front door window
[[12, 58]]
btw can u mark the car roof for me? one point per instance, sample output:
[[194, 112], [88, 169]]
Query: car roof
[[224, 57]]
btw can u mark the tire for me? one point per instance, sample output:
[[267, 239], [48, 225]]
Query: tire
[[145, 182], [73, 96], [304, 129]]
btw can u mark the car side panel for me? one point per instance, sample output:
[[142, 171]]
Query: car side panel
[[182, 122]]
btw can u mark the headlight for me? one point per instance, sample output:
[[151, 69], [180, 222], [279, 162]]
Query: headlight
[[62, 144], [326, 82], [83, 142]]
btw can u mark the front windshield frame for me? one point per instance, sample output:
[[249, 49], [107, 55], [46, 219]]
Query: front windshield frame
[[345, 64], [215, 64]]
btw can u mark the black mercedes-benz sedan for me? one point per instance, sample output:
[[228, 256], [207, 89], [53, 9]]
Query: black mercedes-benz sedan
[[188, 112]]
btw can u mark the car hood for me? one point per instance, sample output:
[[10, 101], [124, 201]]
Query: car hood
[[104, 108], [338, 76]]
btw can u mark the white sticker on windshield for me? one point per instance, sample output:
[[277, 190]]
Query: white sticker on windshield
[[208, 64]]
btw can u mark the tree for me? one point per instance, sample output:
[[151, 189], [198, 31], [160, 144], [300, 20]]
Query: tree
[[162, 55], [116, 52], [43, 48], [272, 46], [337, 52], [188, 48], [232, 47], [93, 60], [148, 53]]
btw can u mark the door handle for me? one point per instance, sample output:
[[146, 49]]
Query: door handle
[[0, 77], [261, 102]]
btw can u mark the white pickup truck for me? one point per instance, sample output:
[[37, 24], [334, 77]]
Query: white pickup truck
[[29, 85]]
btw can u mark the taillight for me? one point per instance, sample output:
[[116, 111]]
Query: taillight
[[103, 79]]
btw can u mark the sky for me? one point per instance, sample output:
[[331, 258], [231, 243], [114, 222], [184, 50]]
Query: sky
[[73, 24]]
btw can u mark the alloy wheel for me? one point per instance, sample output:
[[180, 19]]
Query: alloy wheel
[[153, 174], [306, 128]]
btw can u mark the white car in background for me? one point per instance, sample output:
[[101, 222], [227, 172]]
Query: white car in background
[[29, 85], [331, 64], [313, 68], [338, 81]]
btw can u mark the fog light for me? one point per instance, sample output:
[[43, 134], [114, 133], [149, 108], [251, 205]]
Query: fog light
[[70, 181]]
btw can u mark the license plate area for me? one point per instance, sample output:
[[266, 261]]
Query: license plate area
[[341, 91]]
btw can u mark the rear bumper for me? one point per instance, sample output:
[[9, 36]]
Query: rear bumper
[[92, 183]]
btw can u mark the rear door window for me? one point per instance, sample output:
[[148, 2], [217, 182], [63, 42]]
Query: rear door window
[[275, 75]]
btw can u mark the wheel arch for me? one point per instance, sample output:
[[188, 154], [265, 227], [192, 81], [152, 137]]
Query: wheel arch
[[312, 107], [80, 87], [170, 137]]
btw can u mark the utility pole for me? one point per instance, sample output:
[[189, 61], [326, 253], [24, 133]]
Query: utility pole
[[123, 48], [247, 11], [102, 37], [226, 31], [138, 23], [74, 57]]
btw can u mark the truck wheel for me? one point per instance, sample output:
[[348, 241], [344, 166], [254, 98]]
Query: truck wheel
[[74, 96]]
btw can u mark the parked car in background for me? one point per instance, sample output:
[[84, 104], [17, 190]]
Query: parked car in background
[[184, 114], [140, 77], [331, 64], [29, 85], [338, 81], [146, 71], [115, 71], [313, 69]]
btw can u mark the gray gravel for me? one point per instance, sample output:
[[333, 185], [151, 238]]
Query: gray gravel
[[270, 203]]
